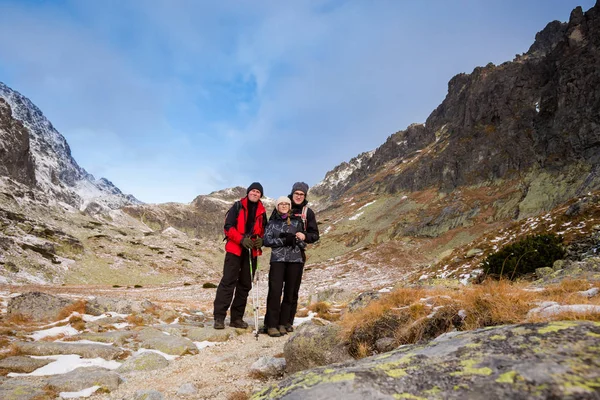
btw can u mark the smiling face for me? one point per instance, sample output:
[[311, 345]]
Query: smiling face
[[283, 208], [254, 195], [298, 197]]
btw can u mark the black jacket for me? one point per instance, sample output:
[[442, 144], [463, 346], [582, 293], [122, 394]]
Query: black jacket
[[311, 230]]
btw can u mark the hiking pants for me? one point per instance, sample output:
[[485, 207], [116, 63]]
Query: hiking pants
[[236, 278], [283, 277]]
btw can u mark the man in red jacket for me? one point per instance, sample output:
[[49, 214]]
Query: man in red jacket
[[244, 229]]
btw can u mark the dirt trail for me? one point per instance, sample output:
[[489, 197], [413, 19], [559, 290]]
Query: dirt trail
[[218, 372]]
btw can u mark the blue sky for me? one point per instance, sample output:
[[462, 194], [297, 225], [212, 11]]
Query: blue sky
[[172, 99]]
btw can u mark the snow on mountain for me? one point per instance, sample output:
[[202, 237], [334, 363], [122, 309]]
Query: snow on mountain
[[56, 172], [340, 173]]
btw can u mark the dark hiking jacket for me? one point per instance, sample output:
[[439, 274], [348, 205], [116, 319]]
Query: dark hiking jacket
[[279, 251], [311, 230]]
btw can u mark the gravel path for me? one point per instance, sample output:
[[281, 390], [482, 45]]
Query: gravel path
[[218, 372]]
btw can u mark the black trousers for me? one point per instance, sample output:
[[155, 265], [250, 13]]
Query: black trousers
[[283, 277], [235, 284]]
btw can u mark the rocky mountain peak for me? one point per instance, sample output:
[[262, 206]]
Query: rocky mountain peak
[[38, 156], [536, 113]]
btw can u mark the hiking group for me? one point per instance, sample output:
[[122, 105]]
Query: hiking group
[[291, 226]]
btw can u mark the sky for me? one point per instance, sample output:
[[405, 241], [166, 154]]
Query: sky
[[170, 99]]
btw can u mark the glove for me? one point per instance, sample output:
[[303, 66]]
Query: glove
[[258, 242], [247, 243], [290, 239]]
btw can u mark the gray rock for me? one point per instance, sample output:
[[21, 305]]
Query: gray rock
[[85, 377], [187, 389], [157, 340], [527, 361], [24, 389], [147, 395], [363, 300], [144, 362], [22, 364], [268, 367], [84, 350], [590, 292], [101, 305], [208, 333], [473, 252], [117, 337], [385, 344], [315, 343], [38, 306], [542, 272], [103, 324]]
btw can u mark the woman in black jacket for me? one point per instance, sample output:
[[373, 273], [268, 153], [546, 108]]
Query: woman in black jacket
[[286, 266]]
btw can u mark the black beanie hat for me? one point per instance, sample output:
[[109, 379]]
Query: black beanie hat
[[257, 186], [301, 187]]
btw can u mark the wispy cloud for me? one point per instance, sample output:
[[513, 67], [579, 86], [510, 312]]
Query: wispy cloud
[[171, 99]]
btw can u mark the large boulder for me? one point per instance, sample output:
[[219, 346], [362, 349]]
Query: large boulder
[[316, 342], [82, 349], [101, 305], [38, 306], [556, 360], [85, 377]]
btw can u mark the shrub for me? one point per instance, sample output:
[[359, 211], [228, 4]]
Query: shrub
[[209, 285], [524, 256]]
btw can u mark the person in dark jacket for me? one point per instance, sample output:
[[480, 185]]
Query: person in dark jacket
[[309, 234], [286, 261], [244, 229]]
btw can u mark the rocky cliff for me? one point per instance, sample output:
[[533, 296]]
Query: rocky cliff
[[34, 153], [539, 112]]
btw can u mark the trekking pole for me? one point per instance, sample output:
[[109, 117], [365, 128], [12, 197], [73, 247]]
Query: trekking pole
[[254, 293]]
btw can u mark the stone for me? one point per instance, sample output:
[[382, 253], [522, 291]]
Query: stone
[[85, 377], [550, 360], [24, 389], [146, 361], [38, 306], [100, 305], [268, 367], [22, 364], [147, 395], [157, 340], [314, 343], [543, 272], [385, 344], [209, 334], [84, 350], [187, 389]]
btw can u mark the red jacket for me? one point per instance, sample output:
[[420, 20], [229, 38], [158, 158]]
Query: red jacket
[[235, 228]]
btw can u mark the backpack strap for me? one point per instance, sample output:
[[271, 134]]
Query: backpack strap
[[304, 211]]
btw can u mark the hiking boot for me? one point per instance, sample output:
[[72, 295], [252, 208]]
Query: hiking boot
[[262, 329], [289, 328], [273, 332], [282, 330], [238, 324], [219, 324]]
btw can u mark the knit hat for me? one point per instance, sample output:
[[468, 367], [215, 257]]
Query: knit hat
[[257, 186], [301, 187], [283, 199]]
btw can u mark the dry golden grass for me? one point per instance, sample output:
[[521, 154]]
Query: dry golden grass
[[135, 319], [12, 351], [302, 313], [408, 315], [4, 342], [239, 395], [78, 306], [320, 307], [52, 338], [18, 319], [77, 322]]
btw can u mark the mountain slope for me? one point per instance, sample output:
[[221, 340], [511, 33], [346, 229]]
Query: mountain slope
[[540, 113], [45, 159]]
